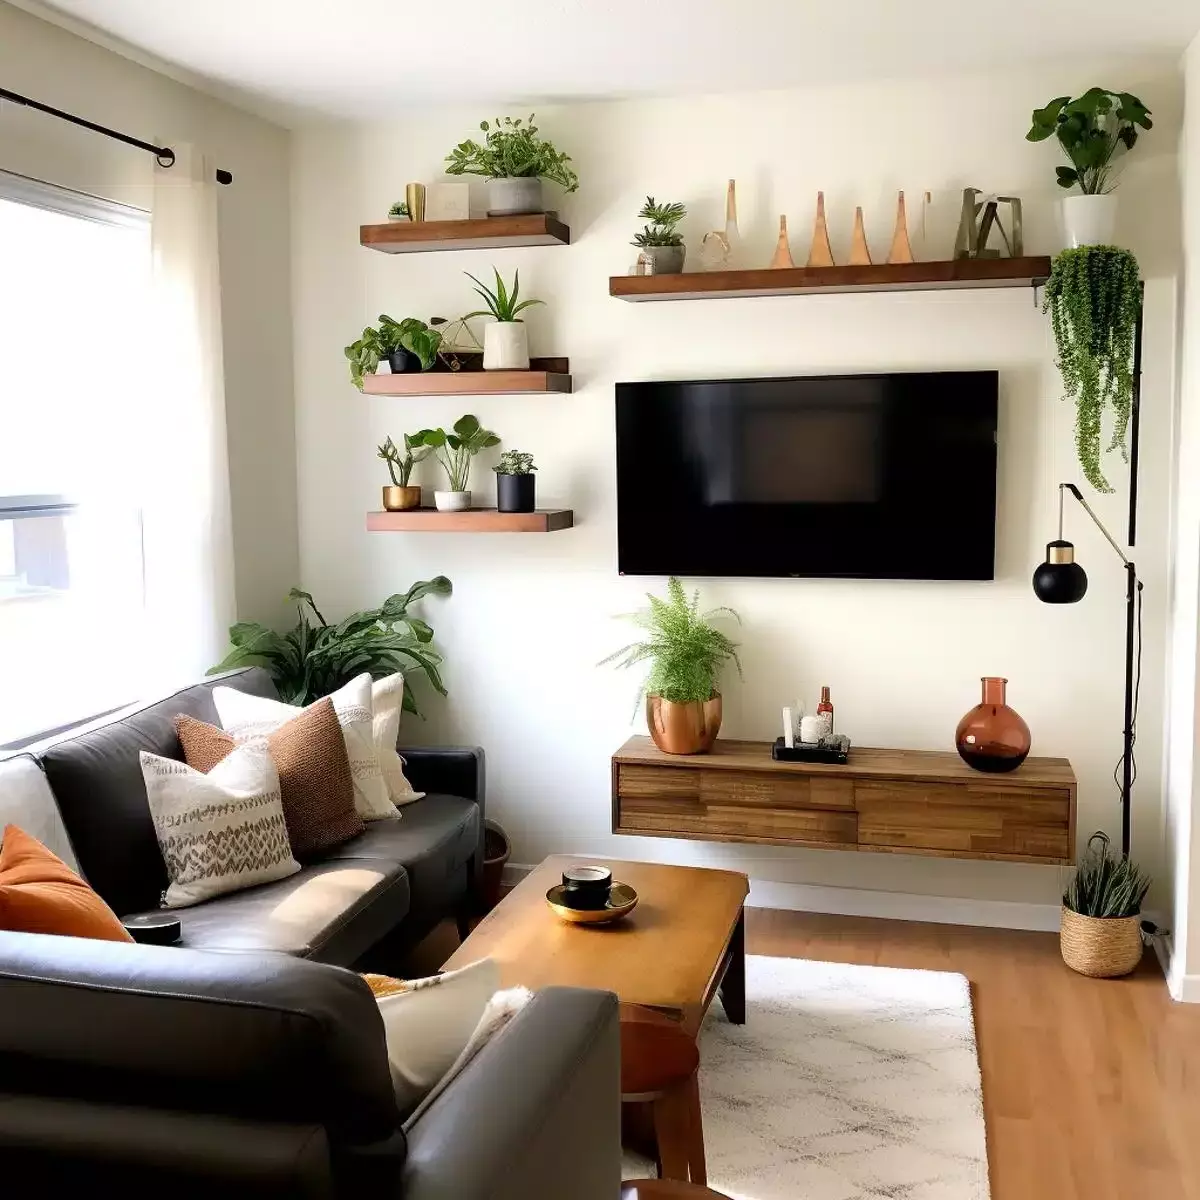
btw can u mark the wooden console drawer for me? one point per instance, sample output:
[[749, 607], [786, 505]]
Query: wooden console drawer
[[741, 823]]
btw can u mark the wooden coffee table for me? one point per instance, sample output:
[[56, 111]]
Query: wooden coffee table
[[681, 946]]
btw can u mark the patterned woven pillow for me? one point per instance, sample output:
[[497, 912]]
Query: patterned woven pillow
[[219, 832], [315, 783]]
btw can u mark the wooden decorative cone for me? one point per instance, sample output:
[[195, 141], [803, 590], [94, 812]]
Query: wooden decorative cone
[[901, 251], [860, 253], [819, 253], [783, 252]]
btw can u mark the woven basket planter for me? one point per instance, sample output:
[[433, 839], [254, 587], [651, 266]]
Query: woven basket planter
[[1102, 947]]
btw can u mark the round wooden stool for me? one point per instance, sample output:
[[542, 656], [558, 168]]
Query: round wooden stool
[[667, 1189], [659, 1063]]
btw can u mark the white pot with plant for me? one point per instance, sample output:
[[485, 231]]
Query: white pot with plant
[[399, 211], [1101, 932], [454, 451], [514, 160], [506, 340], [660, 241], [1093, 130]]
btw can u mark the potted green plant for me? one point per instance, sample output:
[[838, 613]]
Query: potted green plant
[[1093, 296], [686, 655], [454, 451], [1101, 932], [400, 495], [408, 345], [313, 660], [399, 211], [1094, 130], [514, 160], [515, 483], [660, 241], [506, 341]]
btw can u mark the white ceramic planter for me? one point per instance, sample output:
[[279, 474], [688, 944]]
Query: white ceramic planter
[[506, 346], [1090, 220], [511, 197], [451, 501]]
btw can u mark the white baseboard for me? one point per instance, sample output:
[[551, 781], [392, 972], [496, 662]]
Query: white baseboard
[[1184, 988], [895, 906]]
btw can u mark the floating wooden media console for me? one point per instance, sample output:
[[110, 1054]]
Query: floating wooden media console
[[895, 801]]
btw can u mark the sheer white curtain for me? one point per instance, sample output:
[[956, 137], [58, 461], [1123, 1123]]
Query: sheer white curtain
[[187, 521]]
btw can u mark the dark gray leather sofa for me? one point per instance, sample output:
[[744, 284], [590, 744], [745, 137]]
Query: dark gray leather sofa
[[232, 1066]]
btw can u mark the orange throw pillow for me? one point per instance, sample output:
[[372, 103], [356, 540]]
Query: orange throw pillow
[[39, 893]]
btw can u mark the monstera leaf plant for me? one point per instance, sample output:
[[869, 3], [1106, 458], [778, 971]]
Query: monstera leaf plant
[[316, 658]]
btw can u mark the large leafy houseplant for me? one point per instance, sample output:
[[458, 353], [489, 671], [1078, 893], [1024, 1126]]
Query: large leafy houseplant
[[456, 450], [1093, 297], [378, 342], [512, 149], [314, 659], [1093, 130]]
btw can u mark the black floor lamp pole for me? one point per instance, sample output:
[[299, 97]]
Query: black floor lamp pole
[[1131, 590]]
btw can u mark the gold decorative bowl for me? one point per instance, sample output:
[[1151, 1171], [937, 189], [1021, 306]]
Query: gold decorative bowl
[[622, 900]]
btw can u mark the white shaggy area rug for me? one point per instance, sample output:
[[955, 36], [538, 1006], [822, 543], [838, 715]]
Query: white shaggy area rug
[[845, 1083]]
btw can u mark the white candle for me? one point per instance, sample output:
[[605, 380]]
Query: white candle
[[812, 729]]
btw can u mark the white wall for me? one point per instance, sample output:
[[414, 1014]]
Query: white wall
[[531, 616], [60, 69]]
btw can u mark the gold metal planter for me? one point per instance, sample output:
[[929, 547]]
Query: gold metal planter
[[689, 728]]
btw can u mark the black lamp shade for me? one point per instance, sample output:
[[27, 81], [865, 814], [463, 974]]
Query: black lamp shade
[[1060, 579]]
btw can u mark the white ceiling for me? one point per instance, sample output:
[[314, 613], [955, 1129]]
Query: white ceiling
[[370, 59]]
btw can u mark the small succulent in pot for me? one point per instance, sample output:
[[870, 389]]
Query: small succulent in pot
[[515, 484], [399, 211], [408, 345], [400, 495], [660, 241]]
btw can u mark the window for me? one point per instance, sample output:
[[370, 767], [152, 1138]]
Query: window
[[74, 295]]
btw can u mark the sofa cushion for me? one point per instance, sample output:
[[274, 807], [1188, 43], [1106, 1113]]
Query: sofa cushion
[[26, 800], [434, 841], [96, 778], [332, 912]]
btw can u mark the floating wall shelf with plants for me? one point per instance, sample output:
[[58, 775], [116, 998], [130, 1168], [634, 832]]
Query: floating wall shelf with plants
[[544, 375], [960, 273], [470, 520], [410, 237]]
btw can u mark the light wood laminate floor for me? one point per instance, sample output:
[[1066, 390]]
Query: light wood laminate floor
[[1091, 1088]]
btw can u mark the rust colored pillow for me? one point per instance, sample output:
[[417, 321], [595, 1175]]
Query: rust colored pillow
[[315, 783], [39, 893]]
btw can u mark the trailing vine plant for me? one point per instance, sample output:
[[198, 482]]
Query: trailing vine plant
[[1093, 297]]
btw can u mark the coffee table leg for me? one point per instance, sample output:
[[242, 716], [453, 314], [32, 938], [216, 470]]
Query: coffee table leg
[[733, 986]]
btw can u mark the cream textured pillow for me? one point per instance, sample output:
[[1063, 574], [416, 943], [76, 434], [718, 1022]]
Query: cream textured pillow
[[245, 716], [219, 832], [387, 699]]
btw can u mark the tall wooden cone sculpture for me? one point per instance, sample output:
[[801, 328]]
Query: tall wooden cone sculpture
[[819, 253], [783, 252], [901, 251], [860, 254]]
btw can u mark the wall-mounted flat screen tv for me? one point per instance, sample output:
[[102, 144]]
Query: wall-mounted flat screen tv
[[838, 476]]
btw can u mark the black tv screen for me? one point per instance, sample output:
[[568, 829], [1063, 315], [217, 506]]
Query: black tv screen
[[850, 476]]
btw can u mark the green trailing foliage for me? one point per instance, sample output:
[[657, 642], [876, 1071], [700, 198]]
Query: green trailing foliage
[[1093, 297], [454, 451], [400, 468], [315, 658], [512, 149], [515, 462], [501, 303], [684, 652], [1093, 131], [377, 342], [663, 218], [1104, 885]]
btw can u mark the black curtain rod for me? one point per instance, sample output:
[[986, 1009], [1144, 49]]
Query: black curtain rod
[[164, 154]]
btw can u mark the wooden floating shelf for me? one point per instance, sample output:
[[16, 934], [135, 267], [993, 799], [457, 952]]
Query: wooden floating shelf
[[412, 237], [471, 520], [800, 281], [544, 375]]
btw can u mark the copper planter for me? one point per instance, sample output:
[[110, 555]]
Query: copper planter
[[689, 728], [398, 499]]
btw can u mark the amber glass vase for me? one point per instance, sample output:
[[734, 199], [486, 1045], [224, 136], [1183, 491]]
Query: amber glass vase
[[992, 737]]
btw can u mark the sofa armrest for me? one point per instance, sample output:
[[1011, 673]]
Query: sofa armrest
[[537, 1113], [451, 770]]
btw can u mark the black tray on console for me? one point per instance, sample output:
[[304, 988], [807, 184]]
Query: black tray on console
[[807, 752]]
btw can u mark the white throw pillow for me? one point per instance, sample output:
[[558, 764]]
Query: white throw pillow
[[428, 1025], [387, 699], [243, 716], [27, 801], [219, 832]]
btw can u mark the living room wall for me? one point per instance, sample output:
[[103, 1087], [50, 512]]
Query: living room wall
[[531, 616], [54, 66]]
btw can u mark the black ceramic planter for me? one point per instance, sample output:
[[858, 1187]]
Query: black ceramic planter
[[515, 493], [403, 362]]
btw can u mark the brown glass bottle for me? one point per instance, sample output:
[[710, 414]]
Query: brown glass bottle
[[825, 709], [992, 737]]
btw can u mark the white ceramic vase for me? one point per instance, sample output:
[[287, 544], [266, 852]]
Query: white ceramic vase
[[1090, 220], [505, 346], [451, 501]]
